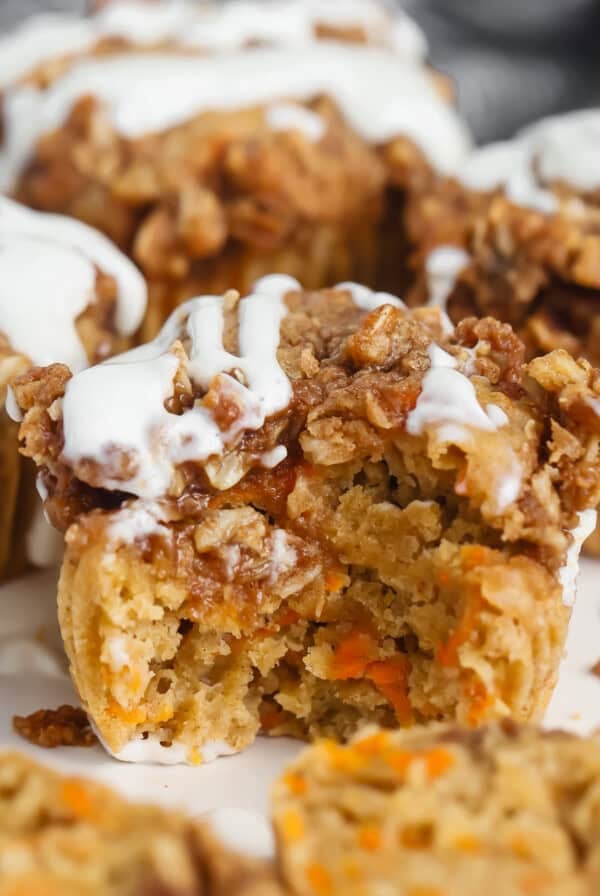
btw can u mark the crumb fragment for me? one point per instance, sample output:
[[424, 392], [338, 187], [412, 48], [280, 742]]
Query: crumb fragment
[[67, 726], [595, 670]]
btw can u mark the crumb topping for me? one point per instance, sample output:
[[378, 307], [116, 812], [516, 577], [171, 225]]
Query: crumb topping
[[67, 726]]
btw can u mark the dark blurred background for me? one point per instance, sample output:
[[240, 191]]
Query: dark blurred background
[[512, 60]]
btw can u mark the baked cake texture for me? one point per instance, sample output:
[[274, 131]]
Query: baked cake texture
[[211, 170], [68, 295], [299, 511], [514, 236], [443, 811], [64, 836]]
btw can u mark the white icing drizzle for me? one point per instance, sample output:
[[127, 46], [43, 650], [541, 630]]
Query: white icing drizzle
[[290, 117], [137, 384], [45, 37], [380, 96], [442, 269], [448, 397], [47, 279], [12, 408], [568, 573], [134, 522], [283, 554], [39, 39], [243, 830], [563, 148], [151, 751], [368, 300], [293, 23], [440, 358]]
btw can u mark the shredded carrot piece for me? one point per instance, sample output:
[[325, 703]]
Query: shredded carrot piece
[[319, 879], [481, 701], [369, 838], [447, 653], [443, 577], [468, 843], [352, 656], [343, 759], [134, 716], [335, 581], [292, 825], [77, 799], [287, 616], [270, 716], [391, 678], [438, 761], [400, 760], [295, 783], [374, 744], [473, 555]]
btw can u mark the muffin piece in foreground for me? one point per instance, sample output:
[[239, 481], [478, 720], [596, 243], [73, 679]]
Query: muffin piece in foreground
[[64, 836], [297, 512], [66, 294], [515, 236], [213, 170], [442, 810]]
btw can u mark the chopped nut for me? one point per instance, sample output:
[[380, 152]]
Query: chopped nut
[[67, 726]]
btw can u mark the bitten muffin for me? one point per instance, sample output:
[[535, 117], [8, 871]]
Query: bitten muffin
[[299, 511], [443, 811], [66, 294], [514, 235], [292, 155], [64, 836]]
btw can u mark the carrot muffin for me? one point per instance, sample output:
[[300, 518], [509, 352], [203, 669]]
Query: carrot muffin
[[443, 811], [211, 170], [66, 294], [62, 836], [299, 511], [515, 236]]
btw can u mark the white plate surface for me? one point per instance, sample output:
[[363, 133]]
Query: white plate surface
[[239, 782]]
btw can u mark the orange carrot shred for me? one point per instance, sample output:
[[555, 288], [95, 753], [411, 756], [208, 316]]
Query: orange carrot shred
[[447, 653], [295, 783], [391, 678], [369, 838], [352, 656], [319, 879], [76, 798]]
